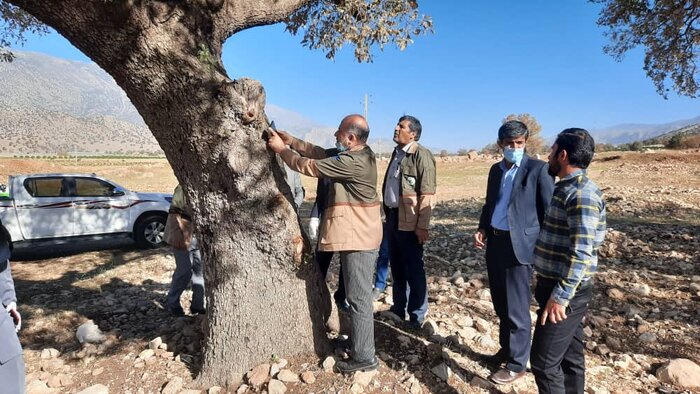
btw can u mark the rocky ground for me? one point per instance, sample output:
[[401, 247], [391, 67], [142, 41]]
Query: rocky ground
[[645, 311]]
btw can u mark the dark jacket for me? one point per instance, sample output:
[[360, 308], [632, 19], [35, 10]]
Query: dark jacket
[[532, 193]]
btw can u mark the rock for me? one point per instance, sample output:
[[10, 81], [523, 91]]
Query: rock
[[276, 387], [328, 364], [467, 333], [146, 354], [308, 377], [242, 389], [430, 327], [465, 321], [587, 332], [97, 371], [641, 289], [215, 390], [287, 376], [486, 342], [95, 389], [484, 294], [155, 343], [389, 315], [54, 381], [356, 388], [623, 362], [258, 375], [364, 378], [615, 294], [88, 332], [482, 325], [648, 337], [49, 353], [680, 372], [442, 371], [174, 386], [415, 387], [481, 383], [39, 387]]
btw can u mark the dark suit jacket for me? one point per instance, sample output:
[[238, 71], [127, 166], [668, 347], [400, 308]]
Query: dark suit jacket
[[532, 193]]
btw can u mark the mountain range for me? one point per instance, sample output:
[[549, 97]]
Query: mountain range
[[52, 106]]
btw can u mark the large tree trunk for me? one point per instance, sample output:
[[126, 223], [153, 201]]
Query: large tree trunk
[[263, 297]]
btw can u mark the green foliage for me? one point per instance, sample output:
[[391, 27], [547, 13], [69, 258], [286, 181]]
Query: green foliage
[[14, 25], [669, 31], [329, 24]]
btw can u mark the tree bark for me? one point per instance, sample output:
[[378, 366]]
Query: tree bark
[[263, 297]]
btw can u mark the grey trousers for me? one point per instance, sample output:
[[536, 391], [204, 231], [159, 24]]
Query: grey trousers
[[358, 274], [188, 268], [12, 375]]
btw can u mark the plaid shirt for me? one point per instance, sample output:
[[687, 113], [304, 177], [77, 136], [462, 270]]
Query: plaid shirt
[[573, 230]]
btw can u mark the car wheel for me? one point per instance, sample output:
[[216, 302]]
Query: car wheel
[[148, 231]]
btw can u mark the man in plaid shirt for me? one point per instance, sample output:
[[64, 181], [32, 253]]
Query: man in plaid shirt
[[565, 261]]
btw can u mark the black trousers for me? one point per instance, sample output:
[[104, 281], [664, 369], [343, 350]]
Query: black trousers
[[510, 293], [323, 259], [557, 357]]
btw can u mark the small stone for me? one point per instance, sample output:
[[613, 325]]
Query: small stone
[[49, 353], [308, 377], [364, 378], [215, 390], [481, 383], [648, 337], [155, 343], [680, 372], [356, 388], [95, 389], [328, 364], [276, 387], [54, 382], [287, 376], [615, 294], [430, 327], [174, 386], [442, 371], [482, 325], [258, 375], [641, 289], [587, 332], [97, 371], [415, 388], [465, 321], [146, 354], [242, 389], [39, 387]]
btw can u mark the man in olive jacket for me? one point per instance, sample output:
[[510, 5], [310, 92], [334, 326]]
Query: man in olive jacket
[[409, 199], [351, 223]]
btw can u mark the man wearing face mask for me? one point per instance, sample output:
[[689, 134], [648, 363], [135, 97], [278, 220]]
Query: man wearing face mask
[[351, 223], [518, 191]]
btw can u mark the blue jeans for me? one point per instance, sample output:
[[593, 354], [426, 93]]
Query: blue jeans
[[407, 271], [188, 269], [383, 261]]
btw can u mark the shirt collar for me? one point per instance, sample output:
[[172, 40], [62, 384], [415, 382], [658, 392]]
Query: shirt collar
[[405, 148], [505, 168], [573, 175]]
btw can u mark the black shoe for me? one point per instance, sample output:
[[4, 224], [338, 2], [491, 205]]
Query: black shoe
[[343, 306], [202, 311], [351, 366], [414, 325], [504, 376]]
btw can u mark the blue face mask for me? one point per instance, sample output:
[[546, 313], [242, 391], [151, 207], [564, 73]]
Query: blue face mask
[[513, 155], [340, 146]]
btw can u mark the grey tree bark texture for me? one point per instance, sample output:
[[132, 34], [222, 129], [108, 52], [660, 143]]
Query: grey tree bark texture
[[263, 297]]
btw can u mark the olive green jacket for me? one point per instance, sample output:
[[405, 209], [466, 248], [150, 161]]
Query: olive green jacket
[[418, 187], [352, 220]]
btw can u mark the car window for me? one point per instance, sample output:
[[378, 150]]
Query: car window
[[86, 187], [46, 187]]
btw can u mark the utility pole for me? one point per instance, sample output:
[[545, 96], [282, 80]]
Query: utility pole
[[365, 104]]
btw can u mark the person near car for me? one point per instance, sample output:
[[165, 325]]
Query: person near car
[[11, 359], [517, 194], [179, 233], [409, 198], [566, 259], [351, 222]]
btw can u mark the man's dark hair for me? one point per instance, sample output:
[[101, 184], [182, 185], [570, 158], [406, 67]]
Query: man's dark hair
[[513, 129], [413, 124], [578, 144], [359, 130]]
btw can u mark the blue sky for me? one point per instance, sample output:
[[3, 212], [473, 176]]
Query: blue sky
[[484, 61]]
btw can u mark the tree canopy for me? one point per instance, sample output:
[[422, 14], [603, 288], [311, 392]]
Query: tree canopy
[[14, 25], [669, 31]]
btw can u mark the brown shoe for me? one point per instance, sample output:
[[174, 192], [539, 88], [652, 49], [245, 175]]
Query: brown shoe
[[504, 376]]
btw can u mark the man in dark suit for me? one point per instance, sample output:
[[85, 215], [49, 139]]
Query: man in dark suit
[[519, 190], [11, 361]]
